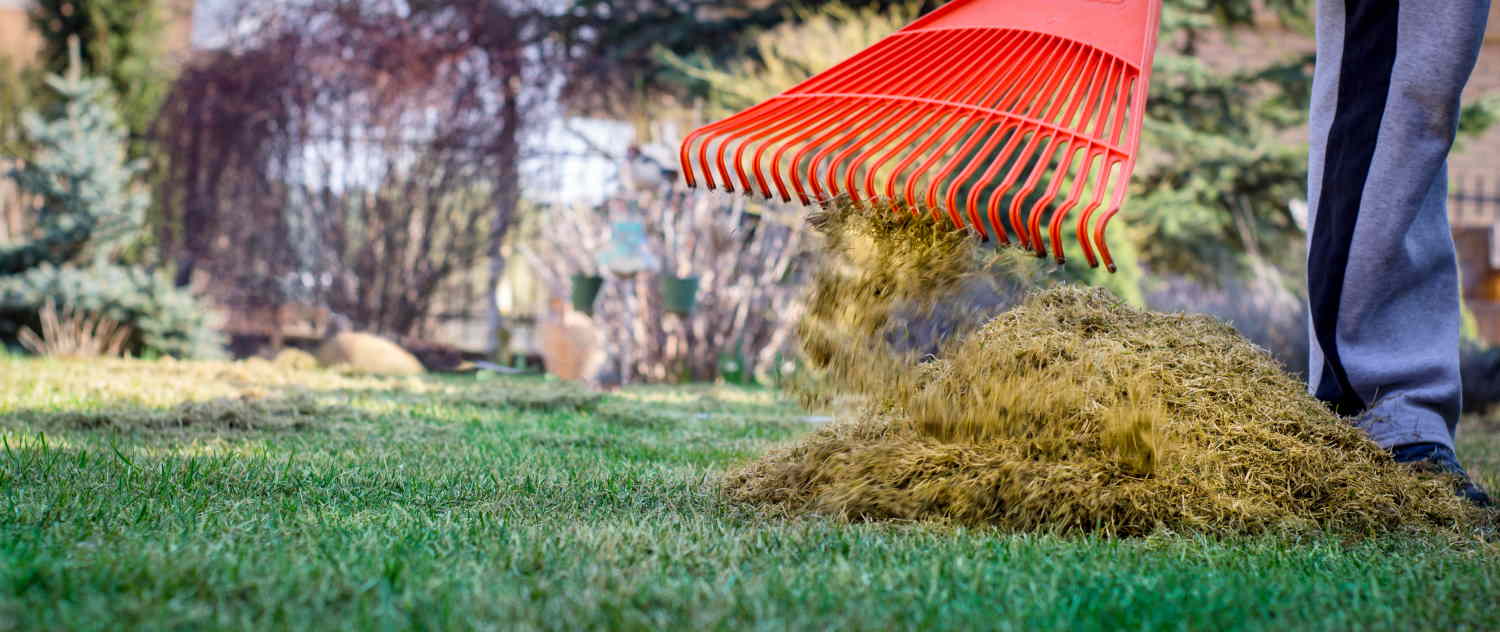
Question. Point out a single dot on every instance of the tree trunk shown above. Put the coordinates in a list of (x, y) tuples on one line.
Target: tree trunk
[(508, 199)]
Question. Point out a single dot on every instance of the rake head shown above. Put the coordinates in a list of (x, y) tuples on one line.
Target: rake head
[(987, 110)]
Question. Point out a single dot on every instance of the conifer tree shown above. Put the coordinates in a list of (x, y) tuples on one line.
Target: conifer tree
[(88, 206), (82, 177), (120, 41)]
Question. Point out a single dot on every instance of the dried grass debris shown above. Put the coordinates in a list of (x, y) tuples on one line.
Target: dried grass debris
[(1071, 412), (243, 414), (528, 395), (70, 333)]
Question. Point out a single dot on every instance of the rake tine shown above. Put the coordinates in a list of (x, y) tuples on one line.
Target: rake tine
[(1061, 213), (850, 71), (747, 134), (1107, 175), (863, 123), (899, 111), (812, 145), (881, 120), (1032, 134), (821, 147), (804, 112), (1098, 199), (914, 112), (918, 107), (1077, 91), (776, 159), (1140, 84), (820, 112), (1045, 87), (1095, 149), (1092, 148), (1038, 52), (859, 124), (1069, 152), (878, 67), (971, 89), (1114, 207), (891, 112), (971, 203), (885, 131), (999, 132), (785, 140), (706, 133), (927, 110)]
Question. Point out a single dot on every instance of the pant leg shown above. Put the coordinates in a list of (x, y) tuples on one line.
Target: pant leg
[(1382, 273)]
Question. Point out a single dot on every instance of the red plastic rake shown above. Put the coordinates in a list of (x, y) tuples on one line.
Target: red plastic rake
[(999, 102)]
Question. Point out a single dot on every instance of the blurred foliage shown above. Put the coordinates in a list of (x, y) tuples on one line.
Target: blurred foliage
[(611, 47), (15, 97), (1222, 161), (120, 41), (379, 185), (1218, 177), (165, 320), (88, 205), (807, 42)]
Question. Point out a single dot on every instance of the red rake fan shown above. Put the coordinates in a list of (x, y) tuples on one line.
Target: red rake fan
[(969, 101)]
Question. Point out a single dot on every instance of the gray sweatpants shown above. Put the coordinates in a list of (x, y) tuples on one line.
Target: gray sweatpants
[(1382, 273)]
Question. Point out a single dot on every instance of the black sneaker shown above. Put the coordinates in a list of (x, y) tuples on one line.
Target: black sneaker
[(1440, 459)]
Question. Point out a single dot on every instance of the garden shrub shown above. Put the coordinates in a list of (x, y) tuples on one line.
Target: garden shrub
[(165, 320)]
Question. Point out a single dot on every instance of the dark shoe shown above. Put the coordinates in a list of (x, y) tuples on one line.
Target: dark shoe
[(1437, 458)]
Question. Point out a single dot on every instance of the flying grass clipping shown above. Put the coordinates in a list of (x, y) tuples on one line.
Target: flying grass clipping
[(1068, 412)]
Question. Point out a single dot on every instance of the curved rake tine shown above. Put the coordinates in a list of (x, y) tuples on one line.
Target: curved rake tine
[(804, 110), (1092, 150), (1038, 52), (796, 181), (952, 113), (1069, 153), (1017, 130), (890, 112), (1111, 158), (1078, 91), (927, 110)]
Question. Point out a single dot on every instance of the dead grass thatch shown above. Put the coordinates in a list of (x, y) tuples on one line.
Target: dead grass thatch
[(1071, 412), (74, 334), (243, 414)]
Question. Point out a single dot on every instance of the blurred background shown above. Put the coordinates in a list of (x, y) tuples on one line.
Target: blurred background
[(493, 184)]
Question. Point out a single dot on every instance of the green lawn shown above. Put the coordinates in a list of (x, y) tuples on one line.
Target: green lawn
[(314, 501)]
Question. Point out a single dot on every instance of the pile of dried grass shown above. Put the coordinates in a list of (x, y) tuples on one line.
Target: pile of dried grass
[(1071, 412)]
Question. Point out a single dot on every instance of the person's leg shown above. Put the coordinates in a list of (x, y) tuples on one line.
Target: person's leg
[(1382, 272)]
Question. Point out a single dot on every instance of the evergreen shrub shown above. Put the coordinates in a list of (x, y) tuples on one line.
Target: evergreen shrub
[(165, 320)]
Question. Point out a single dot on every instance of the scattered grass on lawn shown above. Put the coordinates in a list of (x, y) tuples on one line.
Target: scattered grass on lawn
[(457, 504)]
